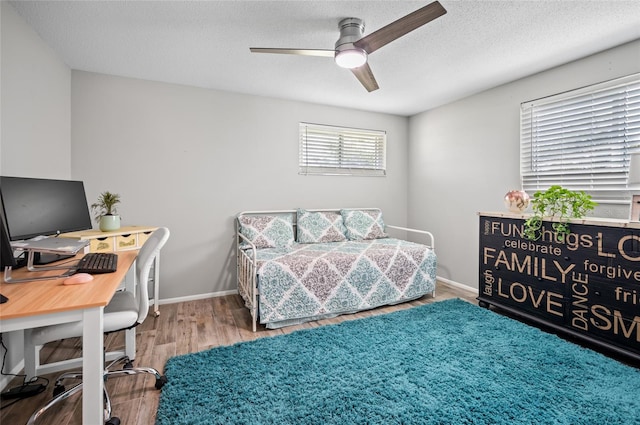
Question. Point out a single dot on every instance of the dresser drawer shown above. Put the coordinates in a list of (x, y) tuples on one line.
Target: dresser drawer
[(126, 242), (142, 238), (618, 327), (106, 244)]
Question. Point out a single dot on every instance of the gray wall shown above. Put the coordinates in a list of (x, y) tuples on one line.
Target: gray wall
[(35, 125), (464, 156), (35, 101), (190, 159)]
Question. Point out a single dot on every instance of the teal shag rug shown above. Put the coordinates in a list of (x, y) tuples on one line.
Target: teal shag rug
[(449, 362)]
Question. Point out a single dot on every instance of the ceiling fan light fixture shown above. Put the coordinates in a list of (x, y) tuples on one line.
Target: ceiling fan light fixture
[(351, 58)]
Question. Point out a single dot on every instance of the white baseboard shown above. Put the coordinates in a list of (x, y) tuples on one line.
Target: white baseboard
[(197, 297), (458, 285)]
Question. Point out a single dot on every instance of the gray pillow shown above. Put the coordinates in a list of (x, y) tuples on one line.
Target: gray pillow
[(268, 231), (322, 226), (363, 224)]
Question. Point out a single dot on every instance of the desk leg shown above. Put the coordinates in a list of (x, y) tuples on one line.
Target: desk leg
[(31, 356), (131, 281), (156, 285), (92, 367)]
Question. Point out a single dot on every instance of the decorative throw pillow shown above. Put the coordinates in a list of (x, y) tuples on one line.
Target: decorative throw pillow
[(321, 226), (268, 231), (363, 224)]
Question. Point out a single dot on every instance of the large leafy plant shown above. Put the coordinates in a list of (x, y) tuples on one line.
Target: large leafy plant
[(559, 204)]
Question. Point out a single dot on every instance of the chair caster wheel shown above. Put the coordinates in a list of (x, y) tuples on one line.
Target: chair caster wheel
[(57, 390), (113, 421), (161, 381)]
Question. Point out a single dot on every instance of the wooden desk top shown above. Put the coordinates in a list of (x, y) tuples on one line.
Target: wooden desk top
[(51, 296)]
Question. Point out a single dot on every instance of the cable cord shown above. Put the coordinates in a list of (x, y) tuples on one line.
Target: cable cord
[(25, 383)]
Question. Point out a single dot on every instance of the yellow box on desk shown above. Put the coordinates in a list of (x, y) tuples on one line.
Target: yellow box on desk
[(124, 239), (105, 244), (128, 241), (142, 237)]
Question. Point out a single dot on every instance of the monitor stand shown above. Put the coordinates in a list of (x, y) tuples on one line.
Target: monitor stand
[(41, 258), (20, 260)]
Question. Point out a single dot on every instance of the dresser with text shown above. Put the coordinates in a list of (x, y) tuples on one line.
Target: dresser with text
[(587, 285)]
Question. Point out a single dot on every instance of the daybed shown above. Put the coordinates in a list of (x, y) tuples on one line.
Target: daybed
[(340, 261)]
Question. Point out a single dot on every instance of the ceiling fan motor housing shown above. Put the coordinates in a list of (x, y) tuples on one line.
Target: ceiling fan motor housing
[(351, 30)]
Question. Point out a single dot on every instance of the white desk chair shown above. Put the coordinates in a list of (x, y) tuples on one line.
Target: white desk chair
[(125, 311)]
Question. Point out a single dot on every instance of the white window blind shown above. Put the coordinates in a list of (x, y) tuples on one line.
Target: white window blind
[(582, 139), (345, 151)]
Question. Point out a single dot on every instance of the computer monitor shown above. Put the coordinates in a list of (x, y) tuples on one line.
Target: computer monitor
[(7, 258), (34, 207)]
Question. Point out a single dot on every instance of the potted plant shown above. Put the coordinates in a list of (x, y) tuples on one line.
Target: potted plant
[(559, 204), (106, 212)]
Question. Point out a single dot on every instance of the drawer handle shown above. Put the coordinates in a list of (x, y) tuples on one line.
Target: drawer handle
[(126, 236)]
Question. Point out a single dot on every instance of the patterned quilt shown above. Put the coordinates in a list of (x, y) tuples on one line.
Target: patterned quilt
[(310, 281)]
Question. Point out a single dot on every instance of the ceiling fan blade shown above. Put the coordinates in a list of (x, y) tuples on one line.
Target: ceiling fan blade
[(402, 26), (303, 52), (366, 78)]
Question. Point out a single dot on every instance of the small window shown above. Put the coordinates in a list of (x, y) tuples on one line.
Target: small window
[(582, 139), (331, 150)]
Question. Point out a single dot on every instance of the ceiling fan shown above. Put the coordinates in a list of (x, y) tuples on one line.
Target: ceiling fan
[(352, 48)]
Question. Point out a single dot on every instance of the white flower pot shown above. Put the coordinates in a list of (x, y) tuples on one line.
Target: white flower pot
[(109, 223)]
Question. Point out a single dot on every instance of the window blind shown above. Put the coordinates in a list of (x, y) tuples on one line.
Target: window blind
[(343, 151), (582, 139)]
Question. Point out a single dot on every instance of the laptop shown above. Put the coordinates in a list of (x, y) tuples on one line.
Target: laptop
[(52, 245)]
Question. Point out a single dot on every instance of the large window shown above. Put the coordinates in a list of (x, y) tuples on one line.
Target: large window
[(582, 139), (337, 150)]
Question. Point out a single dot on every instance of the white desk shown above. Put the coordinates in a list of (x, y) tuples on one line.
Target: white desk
[(47, 302), (124, 239)]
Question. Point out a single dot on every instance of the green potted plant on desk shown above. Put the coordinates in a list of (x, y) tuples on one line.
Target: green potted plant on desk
[(106, 213)]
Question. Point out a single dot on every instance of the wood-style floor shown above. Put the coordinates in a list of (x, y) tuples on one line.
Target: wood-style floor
[(180, 329)]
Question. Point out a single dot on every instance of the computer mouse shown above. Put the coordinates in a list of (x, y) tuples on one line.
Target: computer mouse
[(78, 278)]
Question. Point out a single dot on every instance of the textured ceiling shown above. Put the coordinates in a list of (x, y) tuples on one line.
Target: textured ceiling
[(475, 46)]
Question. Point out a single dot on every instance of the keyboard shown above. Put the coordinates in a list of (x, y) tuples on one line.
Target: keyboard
[(98, 262)]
